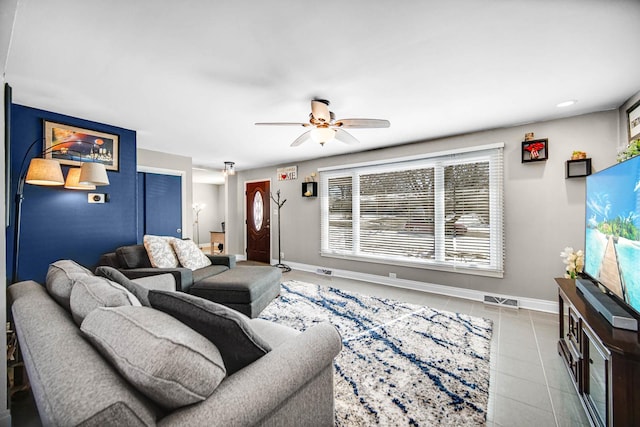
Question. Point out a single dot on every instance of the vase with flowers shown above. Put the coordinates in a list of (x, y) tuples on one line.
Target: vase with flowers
[(574, 262)]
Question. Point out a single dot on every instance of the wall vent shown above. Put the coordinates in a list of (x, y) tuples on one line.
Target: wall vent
[(324, 272), (502, 302)]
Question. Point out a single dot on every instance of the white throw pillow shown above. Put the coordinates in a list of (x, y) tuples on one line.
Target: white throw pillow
[(189, 254), (160, 251)]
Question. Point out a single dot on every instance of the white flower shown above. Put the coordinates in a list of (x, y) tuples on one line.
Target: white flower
[(574, 262)]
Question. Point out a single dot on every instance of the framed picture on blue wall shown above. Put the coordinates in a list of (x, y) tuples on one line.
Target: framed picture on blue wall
[(72, 145)]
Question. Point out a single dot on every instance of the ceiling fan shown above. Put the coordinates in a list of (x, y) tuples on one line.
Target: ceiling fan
[(326, 127)]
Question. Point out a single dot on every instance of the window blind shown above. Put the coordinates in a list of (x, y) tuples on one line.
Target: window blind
[(443, 212)]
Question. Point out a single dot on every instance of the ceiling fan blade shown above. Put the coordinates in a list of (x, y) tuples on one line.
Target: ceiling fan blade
[(283, 124), (320, 110), (363, 123), (346, 137), (302, 138)]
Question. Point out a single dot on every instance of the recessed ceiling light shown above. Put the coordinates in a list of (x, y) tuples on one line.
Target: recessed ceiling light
[(566, 103)]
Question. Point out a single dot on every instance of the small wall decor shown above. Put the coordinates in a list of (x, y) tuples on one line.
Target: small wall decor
[(576, 168), (633, 121), (309, 189), (534, 150), (287, 173), (578, 155), (98, 147)]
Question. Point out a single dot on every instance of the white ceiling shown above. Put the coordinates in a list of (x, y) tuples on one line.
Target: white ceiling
[(192, 77)]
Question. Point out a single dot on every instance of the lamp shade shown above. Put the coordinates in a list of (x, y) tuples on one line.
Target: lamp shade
[(44, 172), (73, 181), (93, 174)]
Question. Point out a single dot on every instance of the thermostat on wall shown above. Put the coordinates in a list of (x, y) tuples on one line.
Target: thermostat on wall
[(97, 198)]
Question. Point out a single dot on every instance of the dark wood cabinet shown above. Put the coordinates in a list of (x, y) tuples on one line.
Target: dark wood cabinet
[(603, 361)]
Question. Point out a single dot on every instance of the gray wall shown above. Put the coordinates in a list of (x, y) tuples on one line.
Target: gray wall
[(544, 212), (213, 213)]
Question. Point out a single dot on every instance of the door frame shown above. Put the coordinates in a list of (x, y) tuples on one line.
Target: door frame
[(244, 229), (183, 184)]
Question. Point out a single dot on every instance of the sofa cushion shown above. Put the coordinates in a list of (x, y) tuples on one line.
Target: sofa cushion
[(91, 292), (189, 255), (211, 270), (132, 256), (160, 251), (161, 357), (229, 330), (141, 292), (60, 278)]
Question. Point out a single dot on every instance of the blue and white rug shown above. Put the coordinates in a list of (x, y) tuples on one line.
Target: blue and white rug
[(401, 364)]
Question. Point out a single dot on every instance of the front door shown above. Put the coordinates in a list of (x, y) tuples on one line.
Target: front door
[(258, 221)]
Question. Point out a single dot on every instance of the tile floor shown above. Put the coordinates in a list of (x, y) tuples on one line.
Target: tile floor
[(529, 385)]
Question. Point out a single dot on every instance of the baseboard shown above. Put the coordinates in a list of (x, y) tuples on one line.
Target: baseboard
[(470, 294), (5, 418)]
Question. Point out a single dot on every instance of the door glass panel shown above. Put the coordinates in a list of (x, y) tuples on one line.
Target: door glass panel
[(597, 391), (258, 211)]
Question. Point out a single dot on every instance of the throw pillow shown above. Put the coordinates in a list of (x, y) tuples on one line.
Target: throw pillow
[(189, 255), (228, 329), (59, 281), (139, 287), (91, 292), (161, 357), (138, 290), (160, 252)]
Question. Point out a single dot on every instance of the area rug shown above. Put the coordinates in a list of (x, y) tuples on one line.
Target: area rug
[(401, 364)]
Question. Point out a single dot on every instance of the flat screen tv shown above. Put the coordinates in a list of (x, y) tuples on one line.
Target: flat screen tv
[(612, 232)]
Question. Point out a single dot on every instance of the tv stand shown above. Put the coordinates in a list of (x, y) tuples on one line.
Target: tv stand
[(603, 361)]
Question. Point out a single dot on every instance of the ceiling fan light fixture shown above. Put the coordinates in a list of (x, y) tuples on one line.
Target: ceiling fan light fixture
[(322, 134)]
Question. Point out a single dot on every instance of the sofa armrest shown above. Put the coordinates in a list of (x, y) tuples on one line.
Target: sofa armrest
[(290, 385), (182, 276), (228, 260), (109, 259), (159, 282)]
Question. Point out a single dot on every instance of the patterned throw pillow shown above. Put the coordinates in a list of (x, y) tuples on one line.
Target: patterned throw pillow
[(160, 251), (189, 255)]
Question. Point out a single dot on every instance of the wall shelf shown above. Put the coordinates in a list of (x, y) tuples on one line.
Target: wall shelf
[(309, 189), (577, 168)]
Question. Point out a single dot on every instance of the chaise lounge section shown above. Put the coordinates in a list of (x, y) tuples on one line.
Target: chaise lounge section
[(247, 289)]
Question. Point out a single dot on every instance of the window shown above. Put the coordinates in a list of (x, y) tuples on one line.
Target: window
[(442, 212)]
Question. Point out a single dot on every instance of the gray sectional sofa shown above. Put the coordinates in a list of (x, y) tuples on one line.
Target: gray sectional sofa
[(96, 358), (247, 289)]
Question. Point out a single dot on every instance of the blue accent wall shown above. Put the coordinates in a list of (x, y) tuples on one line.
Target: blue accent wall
[(59, 223)]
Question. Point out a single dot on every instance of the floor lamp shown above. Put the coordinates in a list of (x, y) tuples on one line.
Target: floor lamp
[(197, 207), (47, 172), (284, 267)]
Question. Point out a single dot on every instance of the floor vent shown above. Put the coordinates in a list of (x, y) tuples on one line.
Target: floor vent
[(324, 272), (502, 302)]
